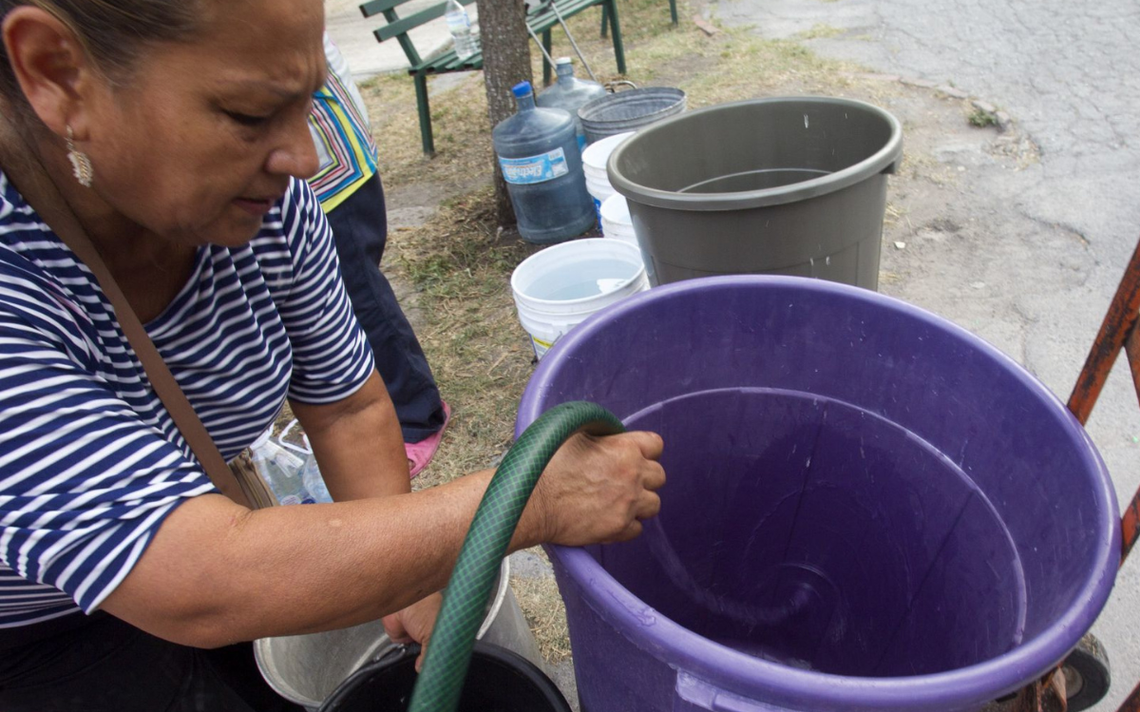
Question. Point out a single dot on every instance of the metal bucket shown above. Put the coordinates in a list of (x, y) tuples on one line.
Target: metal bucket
[(629, 110), (306, 669)]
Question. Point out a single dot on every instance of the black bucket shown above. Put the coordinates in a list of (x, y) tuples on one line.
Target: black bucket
[(498, 680)]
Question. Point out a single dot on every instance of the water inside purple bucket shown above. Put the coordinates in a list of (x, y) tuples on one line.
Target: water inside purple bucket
[(867, 508)]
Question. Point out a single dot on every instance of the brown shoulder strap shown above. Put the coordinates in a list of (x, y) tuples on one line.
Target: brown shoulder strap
[(38, 190)]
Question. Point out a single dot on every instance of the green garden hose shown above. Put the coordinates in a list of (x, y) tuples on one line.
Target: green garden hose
[(465, 601)]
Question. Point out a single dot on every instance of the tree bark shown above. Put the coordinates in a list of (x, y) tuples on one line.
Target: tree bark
[(506, 62)]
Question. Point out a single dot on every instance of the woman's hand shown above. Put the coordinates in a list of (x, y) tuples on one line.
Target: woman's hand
[(414, 624), (594, 490), (597, 490)]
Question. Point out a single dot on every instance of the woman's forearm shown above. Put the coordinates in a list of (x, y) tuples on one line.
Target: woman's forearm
[(217, 573), (357, 443)]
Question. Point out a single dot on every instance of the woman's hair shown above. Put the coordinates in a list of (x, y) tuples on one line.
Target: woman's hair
[(112, 31)]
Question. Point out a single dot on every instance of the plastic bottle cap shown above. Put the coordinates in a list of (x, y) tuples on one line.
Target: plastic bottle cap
[(563, 60), (522, 89)]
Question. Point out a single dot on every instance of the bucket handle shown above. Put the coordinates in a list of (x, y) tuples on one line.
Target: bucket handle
[(612, 87), (694, 694)]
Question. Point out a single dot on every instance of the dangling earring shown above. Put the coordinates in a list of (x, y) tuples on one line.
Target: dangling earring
[(80, 163)]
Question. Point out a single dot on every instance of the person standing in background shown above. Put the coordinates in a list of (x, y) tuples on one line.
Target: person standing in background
[(352, 196)]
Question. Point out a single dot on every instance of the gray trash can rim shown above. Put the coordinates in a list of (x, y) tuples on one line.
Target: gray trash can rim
[(884, 160)]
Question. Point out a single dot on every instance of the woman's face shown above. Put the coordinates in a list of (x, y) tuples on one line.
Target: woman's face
[(201, 140)]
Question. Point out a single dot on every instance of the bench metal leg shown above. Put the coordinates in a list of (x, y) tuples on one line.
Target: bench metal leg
[(619, 51), (425, 114), (547, 44), (673, 11)]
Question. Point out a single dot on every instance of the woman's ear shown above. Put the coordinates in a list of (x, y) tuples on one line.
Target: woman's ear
[(52, 68)]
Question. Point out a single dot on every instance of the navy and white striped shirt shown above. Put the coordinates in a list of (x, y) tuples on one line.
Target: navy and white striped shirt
[(90, 461)]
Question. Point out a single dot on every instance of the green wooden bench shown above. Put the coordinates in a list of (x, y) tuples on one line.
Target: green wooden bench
[(541, 18)]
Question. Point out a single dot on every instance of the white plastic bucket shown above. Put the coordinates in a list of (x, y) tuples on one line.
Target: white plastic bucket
[(557, 288), (594, 160), (597, 154), (600, 191), (616, 222)]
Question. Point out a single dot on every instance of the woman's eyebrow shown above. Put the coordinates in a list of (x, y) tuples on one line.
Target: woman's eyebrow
[(251, 86)]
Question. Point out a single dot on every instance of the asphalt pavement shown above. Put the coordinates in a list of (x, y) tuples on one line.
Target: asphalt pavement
[(1044, 245)]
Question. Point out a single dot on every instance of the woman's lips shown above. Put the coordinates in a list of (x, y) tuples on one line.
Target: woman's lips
[(256, 206)]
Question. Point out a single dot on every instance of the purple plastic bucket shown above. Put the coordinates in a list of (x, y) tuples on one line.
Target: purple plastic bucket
[(868, 508)]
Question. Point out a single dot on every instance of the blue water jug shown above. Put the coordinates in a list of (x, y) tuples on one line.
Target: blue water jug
[(538, 152), (570, 93)]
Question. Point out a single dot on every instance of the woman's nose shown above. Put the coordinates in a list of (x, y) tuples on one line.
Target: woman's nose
[(296, 155)]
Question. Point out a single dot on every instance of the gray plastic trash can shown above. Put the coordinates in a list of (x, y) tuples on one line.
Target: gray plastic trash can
[(791, 186)]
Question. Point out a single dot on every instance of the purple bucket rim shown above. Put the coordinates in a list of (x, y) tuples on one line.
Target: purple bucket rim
[(735, 671)]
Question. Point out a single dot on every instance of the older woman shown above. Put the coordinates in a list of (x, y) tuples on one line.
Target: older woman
[(175, 133)]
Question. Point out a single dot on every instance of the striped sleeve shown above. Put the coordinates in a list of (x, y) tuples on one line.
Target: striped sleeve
[(331, 357), (84, 482)]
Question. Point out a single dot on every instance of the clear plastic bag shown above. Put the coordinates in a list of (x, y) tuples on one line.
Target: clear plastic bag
[(281, 468), (310, 473)]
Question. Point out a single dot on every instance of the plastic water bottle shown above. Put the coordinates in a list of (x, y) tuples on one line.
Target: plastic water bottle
[(459, 25), (538, 152), (314, 483), (570, 93), (280, 469)]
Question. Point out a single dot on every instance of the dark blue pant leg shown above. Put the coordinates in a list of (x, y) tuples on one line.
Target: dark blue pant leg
[(101, 664), (360, 230)]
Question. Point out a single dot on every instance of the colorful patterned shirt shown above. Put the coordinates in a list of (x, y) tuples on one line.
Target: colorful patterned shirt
[(341, 133)]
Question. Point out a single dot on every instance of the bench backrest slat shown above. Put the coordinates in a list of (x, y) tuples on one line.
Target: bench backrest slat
[(402, 25), (543, 15), (376, 7), (540, 17), (473, 62), (405, 41), (371, 9)]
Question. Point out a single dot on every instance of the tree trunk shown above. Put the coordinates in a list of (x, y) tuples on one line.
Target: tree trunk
[(506, 62)]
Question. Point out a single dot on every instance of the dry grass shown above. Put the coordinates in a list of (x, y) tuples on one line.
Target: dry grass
[(459, 117), (480, 355), (460, 263), (539, 600)]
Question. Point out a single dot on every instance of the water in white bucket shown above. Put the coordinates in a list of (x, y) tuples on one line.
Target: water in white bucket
[(590, 278), (558, 288)]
